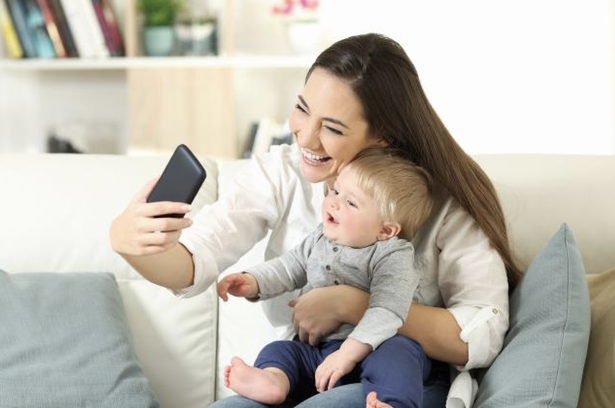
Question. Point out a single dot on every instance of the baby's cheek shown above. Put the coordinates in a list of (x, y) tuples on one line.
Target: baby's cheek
[(355, 228)]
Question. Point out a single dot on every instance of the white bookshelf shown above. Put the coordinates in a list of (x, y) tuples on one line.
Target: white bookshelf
[(240, 87), (78, 64)]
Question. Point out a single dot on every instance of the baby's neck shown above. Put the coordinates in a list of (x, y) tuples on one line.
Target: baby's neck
[(353, 246)]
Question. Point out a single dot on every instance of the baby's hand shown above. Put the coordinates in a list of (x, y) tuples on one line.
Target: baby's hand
[(329, 372), (238, 284)]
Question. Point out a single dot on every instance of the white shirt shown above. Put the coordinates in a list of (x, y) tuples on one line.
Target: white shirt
[(460, 268)]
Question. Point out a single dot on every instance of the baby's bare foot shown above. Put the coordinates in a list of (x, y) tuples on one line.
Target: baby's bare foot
[(227, 372), (371, 401), (269, 385)]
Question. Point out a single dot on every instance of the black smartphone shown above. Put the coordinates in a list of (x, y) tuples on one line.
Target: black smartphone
[(180, 181)]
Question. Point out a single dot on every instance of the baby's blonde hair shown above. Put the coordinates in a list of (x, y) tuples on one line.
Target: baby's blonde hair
[(401, 189)]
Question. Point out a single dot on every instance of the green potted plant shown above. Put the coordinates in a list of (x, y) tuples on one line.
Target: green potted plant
[(158, 18)]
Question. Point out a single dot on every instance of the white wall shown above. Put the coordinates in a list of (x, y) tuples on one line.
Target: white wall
[(505, 76), (19, 111), (89, 108)]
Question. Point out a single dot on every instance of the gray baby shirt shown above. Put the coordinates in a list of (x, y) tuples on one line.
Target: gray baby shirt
[(384, 269)]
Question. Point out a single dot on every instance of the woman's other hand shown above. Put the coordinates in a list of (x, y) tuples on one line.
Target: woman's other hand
[(320, 311), (135, 232)]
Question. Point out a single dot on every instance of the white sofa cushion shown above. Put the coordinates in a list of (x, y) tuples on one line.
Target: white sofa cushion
[(540, 192), (55, 216), (63, 205), (175, 341)]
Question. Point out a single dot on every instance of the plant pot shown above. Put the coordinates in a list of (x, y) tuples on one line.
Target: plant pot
[(158, 41)]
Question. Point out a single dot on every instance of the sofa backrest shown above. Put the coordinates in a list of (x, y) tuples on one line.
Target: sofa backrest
[(539, 192), (55, 213)]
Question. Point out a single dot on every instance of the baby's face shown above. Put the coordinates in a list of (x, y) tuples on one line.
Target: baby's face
[(351, 217)]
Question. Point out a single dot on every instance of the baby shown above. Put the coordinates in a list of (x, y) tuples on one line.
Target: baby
[(376, 200)]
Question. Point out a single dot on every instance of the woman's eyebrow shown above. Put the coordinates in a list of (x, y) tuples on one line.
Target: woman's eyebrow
[(303, 102), (332, 120), (337, 122)]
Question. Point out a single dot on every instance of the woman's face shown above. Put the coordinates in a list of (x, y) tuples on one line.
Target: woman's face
[(328, 126)]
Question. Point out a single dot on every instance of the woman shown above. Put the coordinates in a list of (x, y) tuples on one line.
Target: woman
[(361, 92)]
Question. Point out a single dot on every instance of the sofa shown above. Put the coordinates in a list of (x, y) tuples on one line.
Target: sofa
[(55, 215)]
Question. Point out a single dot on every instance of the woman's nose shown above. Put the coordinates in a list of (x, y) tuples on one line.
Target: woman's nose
[(308, 136)]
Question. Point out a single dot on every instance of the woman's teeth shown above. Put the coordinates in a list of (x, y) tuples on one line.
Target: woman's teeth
[(314, 158)]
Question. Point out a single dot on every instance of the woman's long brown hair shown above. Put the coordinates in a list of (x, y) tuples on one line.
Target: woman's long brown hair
[(398, 111)]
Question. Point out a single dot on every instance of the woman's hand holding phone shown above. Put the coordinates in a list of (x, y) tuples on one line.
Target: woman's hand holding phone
[(137, 231), (154, 219)]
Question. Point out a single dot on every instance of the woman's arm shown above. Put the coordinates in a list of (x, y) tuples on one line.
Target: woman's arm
[(188, 260), (437, 331), (320, 311), (155, 268)]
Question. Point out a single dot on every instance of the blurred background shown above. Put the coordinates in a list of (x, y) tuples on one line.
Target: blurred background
[(141, 76)]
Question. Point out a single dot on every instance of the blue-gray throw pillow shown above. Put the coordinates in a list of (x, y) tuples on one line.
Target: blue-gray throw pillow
[(541, 364), (65, 342)]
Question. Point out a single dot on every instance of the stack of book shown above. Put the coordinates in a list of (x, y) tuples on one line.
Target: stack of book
[(60, 29), (265, 133)]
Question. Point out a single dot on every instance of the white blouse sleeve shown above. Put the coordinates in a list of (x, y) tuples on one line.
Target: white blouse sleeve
[(473, 284), (247, 208)]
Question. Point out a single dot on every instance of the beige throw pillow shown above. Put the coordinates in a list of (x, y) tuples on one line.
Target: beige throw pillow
[(599, 374)]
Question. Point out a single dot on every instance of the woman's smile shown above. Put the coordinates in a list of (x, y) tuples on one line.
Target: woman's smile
[(313, 159)]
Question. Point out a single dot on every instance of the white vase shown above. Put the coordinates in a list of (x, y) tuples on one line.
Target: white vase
[(304, 37)]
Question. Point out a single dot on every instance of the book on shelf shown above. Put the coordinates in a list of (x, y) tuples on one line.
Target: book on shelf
[(11, 40), (247, 151), (63, 29), (265, 133), (17, 12), (108, 23), (85, 28), (60, 28), (52, 28), (36, 29)]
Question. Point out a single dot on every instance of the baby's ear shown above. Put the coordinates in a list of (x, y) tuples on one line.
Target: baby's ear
[(389, 230)]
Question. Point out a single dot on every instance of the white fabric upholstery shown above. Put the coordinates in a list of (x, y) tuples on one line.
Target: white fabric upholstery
[(539, 192), (55, 212), (175, 341)]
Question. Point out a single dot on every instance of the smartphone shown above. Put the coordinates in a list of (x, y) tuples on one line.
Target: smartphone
[(180, 181)]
